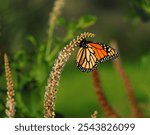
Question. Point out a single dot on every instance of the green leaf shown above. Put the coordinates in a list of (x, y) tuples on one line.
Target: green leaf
[(52, 54), (146, 6), (61, 21), (86, 21), (40, 53), (39, 72), (32, 39)]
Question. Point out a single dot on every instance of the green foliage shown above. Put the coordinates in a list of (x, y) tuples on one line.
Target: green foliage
[(31, 66), (73, 26), (140, 9), (22, 26)]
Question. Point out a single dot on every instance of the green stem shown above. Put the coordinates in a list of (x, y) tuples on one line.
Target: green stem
[(49, 40)]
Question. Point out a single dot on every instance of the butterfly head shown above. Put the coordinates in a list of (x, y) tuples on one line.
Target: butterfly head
[(83, 43)]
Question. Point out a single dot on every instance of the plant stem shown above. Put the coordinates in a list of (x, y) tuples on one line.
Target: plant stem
[(53, 81), (129, 88), (107, 109), (54, 14)]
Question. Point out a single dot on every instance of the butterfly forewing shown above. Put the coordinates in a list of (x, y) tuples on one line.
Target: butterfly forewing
[(86, 60), (104, 52)]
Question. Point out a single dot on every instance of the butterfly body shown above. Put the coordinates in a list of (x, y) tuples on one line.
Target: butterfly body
[(91, 53)]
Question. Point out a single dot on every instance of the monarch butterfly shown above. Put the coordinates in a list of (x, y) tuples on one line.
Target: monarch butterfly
[(91, 53)]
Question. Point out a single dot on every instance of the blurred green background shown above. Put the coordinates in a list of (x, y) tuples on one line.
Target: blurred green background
[(23, 35)]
